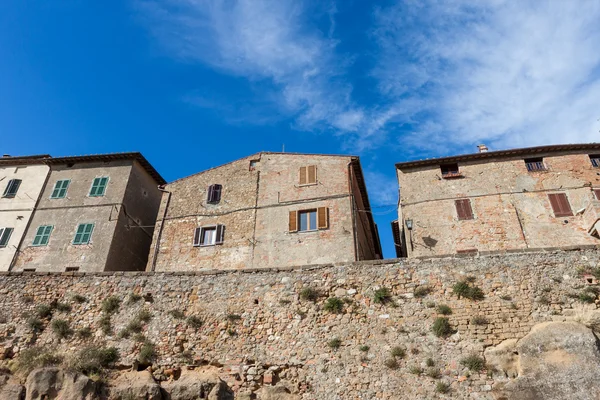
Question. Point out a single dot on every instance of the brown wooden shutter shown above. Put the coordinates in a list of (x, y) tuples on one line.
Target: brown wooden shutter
[(220, 234), (463, 209), (597, 193), (197, 236), (312, 174), (293, 223), (560, 205), (323, 218), (303, 175)]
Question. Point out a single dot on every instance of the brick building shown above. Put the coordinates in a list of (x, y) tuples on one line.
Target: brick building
[(538, 197), (95, 213), (21, 182), (266, 210)]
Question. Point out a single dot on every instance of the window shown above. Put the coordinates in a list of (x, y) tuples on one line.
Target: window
[(463, 209), (535, 164), (450, 171), (71, 269), (595, 159), (43, 235), (308, 175), (597, 193), (309, 220), (209, 235), (84, 234), (214, 194), (60, 189), (11, 188), (99, 186), (5, 236), (560, 205), (253, 164)]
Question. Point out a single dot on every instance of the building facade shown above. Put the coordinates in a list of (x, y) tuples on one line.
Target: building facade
[(21, 182), (266, 210), (95, 213), (532, 198)]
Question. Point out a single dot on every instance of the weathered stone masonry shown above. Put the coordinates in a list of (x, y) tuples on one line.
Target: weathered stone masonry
[(279, 336)]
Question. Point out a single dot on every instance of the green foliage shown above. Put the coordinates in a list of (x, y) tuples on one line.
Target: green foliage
[(77, 298), (93, 359), (133, 298), (506, 297), (464, 289), (442, 387), (334, 305), (61, 328), (309, 294), (144, 316), (434, 373), (473, 363), (105, 324), (63, 307), (36, 357), (43, 311), (398, 352), (441, 327), (364, 348), (84, 333), (382, 296), (444, 309), (479, 320), (177, 314), (111, 304), (147, 353), (415, 369), (334, 343), (231, 332), (391, 363), (547, 289), (586, 297), (429, 362), (285, 302), (233, 317), (544, 300), (35, 324), (421, 291), (194, 321)]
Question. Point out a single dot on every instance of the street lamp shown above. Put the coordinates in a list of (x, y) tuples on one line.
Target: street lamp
[(409, 224)]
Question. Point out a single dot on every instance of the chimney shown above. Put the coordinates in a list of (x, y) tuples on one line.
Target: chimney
[(482, 148), (5, 155)]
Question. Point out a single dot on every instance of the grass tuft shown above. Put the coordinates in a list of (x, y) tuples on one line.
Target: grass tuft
[(441, 327), (334, 305)]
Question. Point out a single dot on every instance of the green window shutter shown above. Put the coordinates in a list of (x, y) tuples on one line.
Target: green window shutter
[(5, 236), (99, 186), (60, 189), (42, 236), (84, 234)]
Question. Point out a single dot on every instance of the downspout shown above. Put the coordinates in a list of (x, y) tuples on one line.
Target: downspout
[(162, 224), (35, 207), (353, 205)]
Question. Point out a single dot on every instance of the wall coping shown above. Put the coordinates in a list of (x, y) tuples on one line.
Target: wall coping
[(311, 267)]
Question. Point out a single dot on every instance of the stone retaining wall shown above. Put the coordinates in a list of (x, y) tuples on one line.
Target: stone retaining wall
[(258, 330)]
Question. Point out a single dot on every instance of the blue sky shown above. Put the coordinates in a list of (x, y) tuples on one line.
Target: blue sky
[(196, 83)]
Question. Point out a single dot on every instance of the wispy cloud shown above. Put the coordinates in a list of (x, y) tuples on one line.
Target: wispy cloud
[(502, 72)]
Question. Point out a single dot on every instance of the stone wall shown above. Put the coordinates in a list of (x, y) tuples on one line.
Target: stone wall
[(510, 205), (258, 330)]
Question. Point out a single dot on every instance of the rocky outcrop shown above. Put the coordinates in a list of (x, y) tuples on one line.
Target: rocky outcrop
[(555, 361), (55, 383), (137, 385), (193, 384), (276, 393)]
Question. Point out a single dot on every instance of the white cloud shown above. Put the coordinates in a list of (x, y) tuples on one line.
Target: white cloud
[(509, 74), (383, 192)]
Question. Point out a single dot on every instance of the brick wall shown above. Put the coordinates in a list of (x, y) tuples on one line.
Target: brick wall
[(280, 336)]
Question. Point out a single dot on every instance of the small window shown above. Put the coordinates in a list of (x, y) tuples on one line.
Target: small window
[(84, 234), (463, 209), (28, 269), (71, 269), (5, 236), (43, 235), (60, 189), (535, 164), (214, 194), (209, 235), (11, 188), (99, 186), (597, 193), (309, 220), (560, 205), (308, 175), (450, 171), (595, 159), (253, 164)]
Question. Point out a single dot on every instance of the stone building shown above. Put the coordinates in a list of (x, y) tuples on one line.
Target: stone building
[(266, 210), (531, 198), (95, 213), (21, 182)]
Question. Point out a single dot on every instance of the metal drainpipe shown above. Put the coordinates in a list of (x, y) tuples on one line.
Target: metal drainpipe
[(162, 224)]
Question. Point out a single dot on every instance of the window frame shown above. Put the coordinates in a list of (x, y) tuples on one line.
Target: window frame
[(558, 211), (458, 204), (75, 242), (12, 183), (322, 219), (56, 190), (308, 212), (90, 194), (5, 237), (535, 164), (595, 160), (42, 236), (214, 193), (448, 171), (304, 174), (199, 234)]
